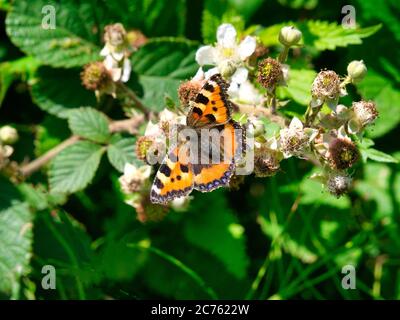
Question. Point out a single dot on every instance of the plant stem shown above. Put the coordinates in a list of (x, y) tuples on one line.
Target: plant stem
[(283, 55), (311, 114), (127, 125), (132, 95)]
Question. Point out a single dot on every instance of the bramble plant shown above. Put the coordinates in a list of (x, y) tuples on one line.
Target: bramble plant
[(119, 78)]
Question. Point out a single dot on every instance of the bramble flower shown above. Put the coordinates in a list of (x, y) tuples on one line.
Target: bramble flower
[(188, 91), (295, 139), (116, 52), (8, 135), (270, 73), (227, 55), (96, 77), (338, 183), (364, 114), (134, 178), (343, 153), (326, 88)]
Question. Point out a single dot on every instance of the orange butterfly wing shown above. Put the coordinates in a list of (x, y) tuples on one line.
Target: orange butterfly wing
[(209, 177), (211, 106), (174, 179)]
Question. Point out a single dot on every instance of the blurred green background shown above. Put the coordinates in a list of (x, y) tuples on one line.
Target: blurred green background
[(282, 237)]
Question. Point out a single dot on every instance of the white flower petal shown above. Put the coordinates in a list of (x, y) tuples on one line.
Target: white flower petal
[(247, 47), (105, 51), (233, 90), (199, 76), (144, 172), (126, 72), (118, 55), (129, 170), (240, 75), (205, 55), (152, 129), (109, 63), (296, 124), (211, 72), (116, 74), (226, 35)]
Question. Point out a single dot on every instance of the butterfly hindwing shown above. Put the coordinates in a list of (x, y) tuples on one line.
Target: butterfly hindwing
[(208, 177), (174, 179), (211, 106)]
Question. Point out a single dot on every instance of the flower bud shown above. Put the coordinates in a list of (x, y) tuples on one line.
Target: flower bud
[(270, 73), (95, 76), (339, 184), (266, 164), (8, 135), (365, 112), (343, 153), (289, 36), (136, 38), (356, 70)]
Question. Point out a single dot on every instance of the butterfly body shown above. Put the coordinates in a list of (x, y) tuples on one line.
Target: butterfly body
[(204, 153)]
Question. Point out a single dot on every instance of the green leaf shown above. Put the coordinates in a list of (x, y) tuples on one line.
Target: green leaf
[(74, 167), (325, 35), (275, 231), (298, 86), (23, 68), (62, 241), (15, 239), (89, 123), (152, 17), (57, 96), (74, 41), (385, 11), (216, 230), (379, 156), (386, 96), (161, 66), (375, 187), (120, 151)]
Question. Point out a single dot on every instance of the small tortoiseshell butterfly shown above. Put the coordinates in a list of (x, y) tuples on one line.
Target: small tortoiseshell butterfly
[(177, 175)]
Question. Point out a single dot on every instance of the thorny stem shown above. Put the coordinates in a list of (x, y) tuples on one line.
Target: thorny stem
[(127, 125), (311, 114), (125, 91)]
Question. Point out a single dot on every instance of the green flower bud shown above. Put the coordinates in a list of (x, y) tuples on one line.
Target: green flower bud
[(289, 36), (356, 70), (8, 135)]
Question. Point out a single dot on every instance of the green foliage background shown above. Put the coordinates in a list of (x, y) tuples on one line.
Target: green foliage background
[(280, 237)]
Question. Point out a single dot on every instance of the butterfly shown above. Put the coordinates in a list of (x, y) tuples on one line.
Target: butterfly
[(207, 161)]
